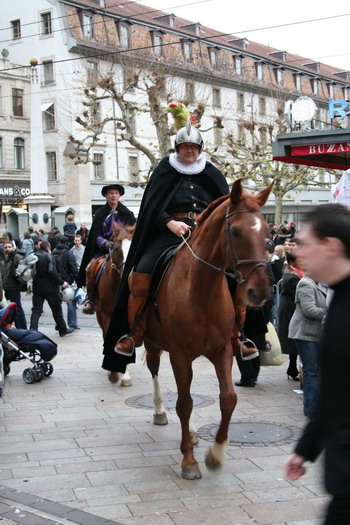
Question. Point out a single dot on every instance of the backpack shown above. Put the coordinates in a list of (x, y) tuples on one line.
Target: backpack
[(26, 269), (60, 264)]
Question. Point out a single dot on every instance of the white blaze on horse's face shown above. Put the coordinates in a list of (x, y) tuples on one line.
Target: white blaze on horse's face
[(257, 225)]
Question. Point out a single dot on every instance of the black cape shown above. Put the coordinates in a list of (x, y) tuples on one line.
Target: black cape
[(125, 215), (160, 190)]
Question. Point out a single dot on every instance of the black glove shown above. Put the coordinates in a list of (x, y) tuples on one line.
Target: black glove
[(107, 245)]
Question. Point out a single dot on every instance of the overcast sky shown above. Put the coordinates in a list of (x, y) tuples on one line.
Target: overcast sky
[(326, 41)]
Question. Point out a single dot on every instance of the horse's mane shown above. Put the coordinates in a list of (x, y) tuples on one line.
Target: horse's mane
[(208, 211), (249, 199)]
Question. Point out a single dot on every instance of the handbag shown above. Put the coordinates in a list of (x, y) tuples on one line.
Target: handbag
[(271, 355)]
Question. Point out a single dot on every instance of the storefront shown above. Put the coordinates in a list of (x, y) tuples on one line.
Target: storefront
[(12, 195)]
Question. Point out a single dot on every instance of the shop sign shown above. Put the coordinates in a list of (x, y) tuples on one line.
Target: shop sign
[(321, 149), (14, 192), (338, 109)]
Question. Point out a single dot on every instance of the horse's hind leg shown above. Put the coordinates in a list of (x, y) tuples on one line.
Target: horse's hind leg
[(228, 399), (183, 375), (153, 362)]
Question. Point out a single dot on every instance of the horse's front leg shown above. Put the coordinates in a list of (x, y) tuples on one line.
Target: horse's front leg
[(183, 375), (153, 362), (228, 400)]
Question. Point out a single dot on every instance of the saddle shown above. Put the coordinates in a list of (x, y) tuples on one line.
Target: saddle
[(160, 270)]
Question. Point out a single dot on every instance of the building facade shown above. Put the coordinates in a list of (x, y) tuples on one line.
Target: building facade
[(151, 57)]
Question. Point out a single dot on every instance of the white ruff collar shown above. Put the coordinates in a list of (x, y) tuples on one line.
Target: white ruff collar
[(187, 169)]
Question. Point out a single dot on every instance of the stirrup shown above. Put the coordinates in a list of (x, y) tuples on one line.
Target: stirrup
[(121, 352), (253, 355)]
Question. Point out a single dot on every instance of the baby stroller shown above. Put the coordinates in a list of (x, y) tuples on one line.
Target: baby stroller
[(24, 344)]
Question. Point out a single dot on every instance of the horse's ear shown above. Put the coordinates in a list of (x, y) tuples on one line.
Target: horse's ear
[(236, 192), (263, 195)]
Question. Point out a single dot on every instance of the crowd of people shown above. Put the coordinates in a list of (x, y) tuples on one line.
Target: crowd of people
[(59, 256), (303, 266)]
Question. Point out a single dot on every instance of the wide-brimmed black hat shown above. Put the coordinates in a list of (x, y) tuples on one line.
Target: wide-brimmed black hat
[(112, 187)]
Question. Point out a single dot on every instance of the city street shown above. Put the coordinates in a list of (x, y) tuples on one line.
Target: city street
[(76, 448)]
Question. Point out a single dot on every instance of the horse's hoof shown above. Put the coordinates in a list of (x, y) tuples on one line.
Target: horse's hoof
[(160, 419), (211, 462), (194, 438), (113, 377), (126, 382), (191, 472)]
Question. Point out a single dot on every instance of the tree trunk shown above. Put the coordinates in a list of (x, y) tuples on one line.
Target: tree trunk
[(278, 208)]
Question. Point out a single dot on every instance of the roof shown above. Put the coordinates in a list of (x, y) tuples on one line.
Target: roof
[(134, 12)]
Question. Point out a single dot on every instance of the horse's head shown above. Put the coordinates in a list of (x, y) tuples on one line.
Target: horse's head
[(246, 231), (121, 232)]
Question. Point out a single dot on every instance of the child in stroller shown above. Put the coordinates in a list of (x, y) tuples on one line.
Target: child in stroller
[(25, 344)]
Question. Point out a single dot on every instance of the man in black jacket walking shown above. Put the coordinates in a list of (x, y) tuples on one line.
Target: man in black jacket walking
[(46, 286), (67, 268), (11, 285), (325, 248)]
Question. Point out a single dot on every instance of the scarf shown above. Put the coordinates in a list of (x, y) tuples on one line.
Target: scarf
[(187, 169)]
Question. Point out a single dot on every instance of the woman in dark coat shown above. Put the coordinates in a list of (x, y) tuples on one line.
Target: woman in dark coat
[(290, 279)]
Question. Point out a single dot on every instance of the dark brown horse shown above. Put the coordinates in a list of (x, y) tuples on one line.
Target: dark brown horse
[(109, 269), (196, 312)]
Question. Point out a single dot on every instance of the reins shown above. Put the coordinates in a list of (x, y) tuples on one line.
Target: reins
[(237, 274)]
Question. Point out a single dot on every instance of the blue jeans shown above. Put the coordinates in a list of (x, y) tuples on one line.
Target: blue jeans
[(308, 351), (72, 314)]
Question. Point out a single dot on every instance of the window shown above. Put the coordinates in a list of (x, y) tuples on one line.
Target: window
[(19, 153), (1, 106), (240, 101), (16, 29), (213, 55), (88, 26), (259, 71), (238, 65), (262, 106), (48, 110), (190, 93), (95, 112), (91, 72), (133, 165), (46, 23), (346, 93), (297, 79), (187, 51), (331, 90), (51, 162), (157, 44), (124, 35), (263, 137), (48, 77), (1, 155), (241, 134), (216, 98), (279, 76), (98, 166), (17, 102), (217, 137), (315, 86), (129, 79)]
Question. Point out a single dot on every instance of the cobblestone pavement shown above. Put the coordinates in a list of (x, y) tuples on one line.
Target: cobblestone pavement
[(75, 448)]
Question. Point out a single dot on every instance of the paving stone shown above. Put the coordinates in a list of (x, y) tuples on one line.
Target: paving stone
[(272, 513), (161, 506)]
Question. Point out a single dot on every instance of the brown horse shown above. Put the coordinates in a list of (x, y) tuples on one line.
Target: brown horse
[(110, 268), (196, 313)]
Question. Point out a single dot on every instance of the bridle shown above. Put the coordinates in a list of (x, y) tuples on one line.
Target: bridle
[(236, 274), (115, 266)]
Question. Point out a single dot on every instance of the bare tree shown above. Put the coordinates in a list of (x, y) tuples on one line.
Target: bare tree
[(251, 160), (152, 85)]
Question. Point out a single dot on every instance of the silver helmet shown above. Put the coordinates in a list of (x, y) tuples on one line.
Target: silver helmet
[(67, 294), (189, 134)]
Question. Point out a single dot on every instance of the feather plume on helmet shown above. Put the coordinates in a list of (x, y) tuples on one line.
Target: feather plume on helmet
[(184, 122)]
